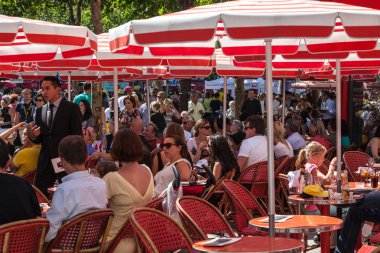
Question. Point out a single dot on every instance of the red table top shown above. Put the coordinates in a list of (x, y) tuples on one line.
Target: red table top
[(300, 224), (255, 244)]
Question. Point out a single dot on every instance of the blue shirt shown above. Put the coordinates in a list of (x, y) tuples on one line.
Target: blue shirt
[(329, 106), (78, 193)]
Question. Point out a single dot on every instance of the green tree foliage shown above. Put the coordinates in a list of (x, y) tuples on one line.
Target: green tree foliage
[(78, 12)]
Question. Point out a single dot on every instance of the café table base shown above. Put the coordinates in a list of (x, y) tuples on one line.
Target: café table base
[(254, 244)]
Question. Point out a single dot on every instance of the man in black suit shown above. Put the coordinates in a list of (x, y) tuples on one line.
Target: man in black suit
[(55, 120), (251, 106)]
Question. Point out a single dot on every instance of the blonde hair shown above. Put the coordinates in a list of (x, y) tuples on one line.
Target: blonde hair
[(200, 123), (304, 155), (318, 123), (278, 132)]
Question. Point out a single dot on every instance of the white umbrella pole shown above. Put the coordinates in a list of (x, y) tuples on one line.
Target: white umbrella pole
[(148, 98), (224, 105), (283, 101), (69, 86), (338, 126), (269, 97), (115, 98)]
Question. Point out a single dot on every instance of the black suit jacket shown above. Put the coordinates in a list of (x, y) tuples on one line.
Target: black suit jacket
[(67, 121)]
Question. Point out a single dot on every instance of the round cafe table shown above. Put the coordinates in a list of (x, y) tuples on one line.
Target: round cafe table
[(358, 187), (302, 224), (254, 244), (324, 208)]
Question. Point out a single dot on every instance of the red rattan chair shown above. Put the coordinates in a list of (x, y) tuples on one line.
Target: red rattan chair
[(201, 218), (248, 175), (40, 196), (244, 205), (290, 165), (216, 196), (86, 232), (283, 198), (30, 176), (259, 187), (26, 236), (324, 167), (368, 249), (353, 160), (158, 232), (330, 154), (127, 231)]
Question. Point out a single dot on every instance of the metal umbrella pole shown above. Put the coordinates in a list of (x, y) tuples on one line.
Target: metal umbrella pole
[(338, 126), (115, 102), (224, 105), (269, 100), (69, 86), (283, 101), (148, 98)]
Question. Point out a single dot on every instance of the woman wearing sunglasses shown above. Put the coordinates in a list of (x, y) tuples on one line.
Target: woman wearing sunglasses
[(176, 151), (195, 145)]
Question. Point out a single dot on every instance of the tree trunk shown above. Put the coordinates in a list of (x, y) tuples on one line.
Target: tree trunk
[(97, 109), (70, 9), (96, 16), (184, 94), (79, 12), (239, 96), (186, 4)]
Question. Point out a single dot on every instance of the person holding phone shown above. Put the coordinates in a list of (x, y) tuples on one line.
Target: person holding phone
[(195, 145)]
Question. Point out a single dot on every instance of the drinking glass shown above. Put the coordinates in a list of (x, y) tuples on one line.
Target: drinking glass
[(374, 180)]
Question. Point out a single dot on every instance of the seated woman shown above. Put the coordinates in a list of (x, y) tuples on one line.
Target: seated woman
[(25, 160), (221, 158), (318, 133), (202, 129), (159, 157), (281, 146), (373, 146), (176, 151), (130, 187)]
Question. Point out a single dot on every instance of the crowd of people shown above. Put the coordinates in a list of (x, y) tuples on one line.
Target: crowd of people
[(47, 133)]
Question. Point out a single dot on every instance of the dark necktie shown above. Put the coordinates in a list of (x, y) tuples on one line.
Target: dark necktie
[(50, 116)]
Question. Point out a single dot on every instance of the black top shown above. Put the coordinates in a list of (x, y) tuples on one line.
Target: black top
[(250, 107), (7, 117), (26, 111), (18, 200)]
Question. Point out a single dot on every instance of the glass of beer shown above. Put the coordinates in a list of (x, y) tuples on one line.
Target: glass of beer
[(363, 175)]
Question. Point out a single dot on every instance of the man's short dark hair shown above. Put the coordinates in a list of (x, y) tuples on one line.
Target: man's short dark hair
[(154, 127), (4, 153), (292, 125), (131, 153), (56, 83), (87, 86), (257, 123), (73, 149), (219, 122)]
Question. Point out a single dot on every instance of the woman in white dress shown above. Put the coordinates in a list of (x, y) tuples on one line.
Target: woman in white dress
[(176, 151)]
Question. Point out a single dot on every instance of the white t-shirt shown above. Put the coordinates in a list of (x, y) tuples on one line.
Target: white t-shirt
[(255, 148), (280, 149)]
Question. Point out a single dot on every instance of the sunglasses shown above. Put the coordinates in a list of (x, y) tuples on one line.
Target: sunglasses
[(39, 100), (185, 122), (206, 127), (247, 127), (166, 145)]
